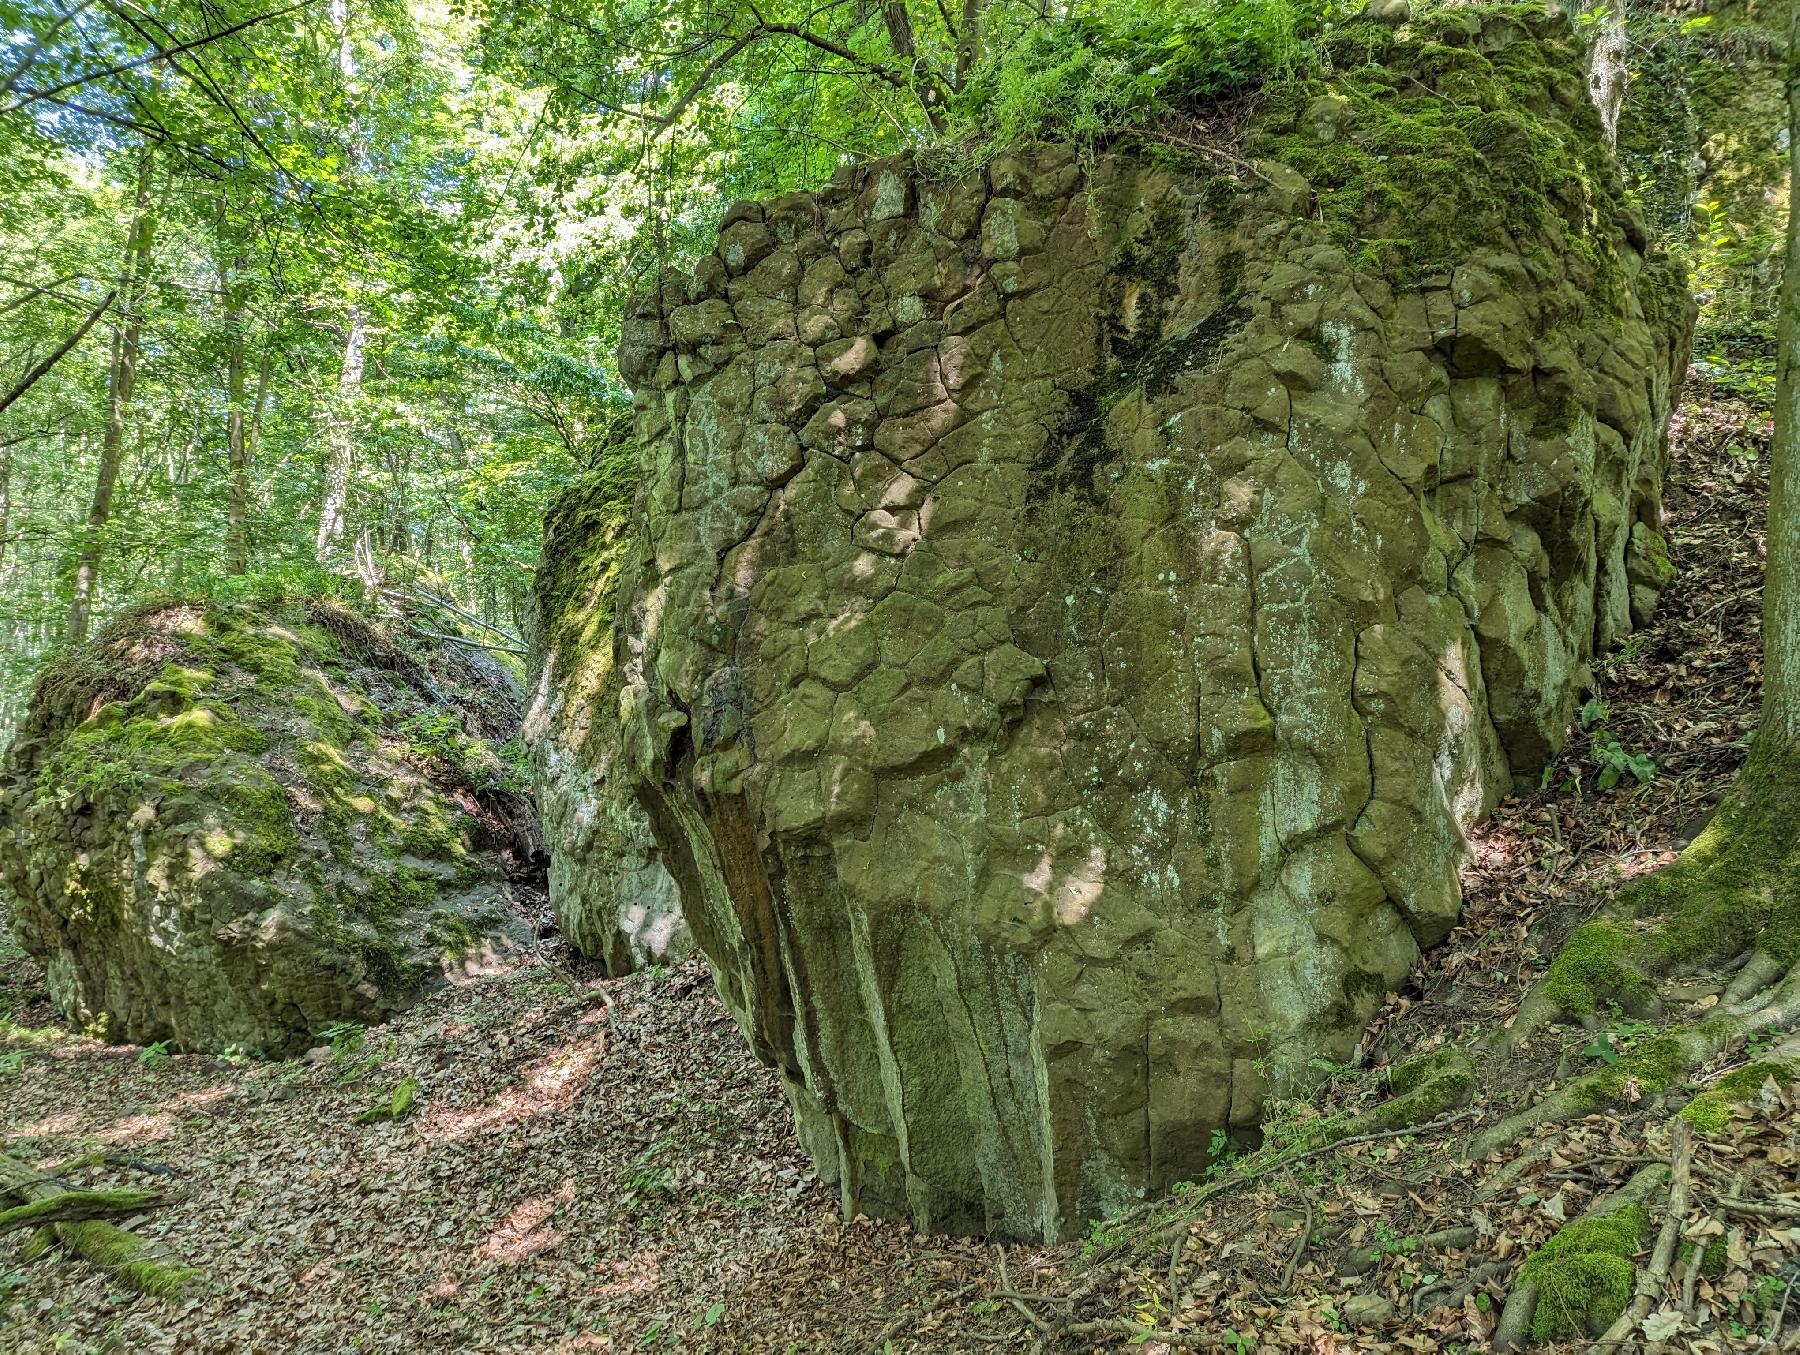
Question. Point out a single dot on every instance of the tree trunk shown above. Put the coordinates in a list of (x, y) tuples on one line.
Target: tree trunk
[(340, 446), (127, 337), (1779, 736), (1737, 885), (237, 490)]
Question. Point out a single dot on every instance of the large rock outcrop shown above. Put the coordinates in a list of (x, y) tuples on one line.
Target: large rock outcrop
[(1078, 608), (612, 897), (235, 824)]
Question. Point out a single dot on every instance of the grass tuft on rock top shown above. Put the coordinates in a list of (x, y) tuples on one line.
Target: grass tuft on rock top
[(1584, 1273)]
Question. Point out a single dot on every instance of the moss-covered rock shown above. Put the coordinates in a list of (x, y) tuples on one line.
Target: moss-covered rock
[(218, 826), (1584, 1273), (612, 897), (1077, 610)]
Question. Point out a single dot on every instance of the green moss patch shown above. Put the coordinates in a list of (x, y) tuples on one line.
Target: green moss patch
[(1584, 1274), (1435, 148), (1738, 884), (227, 761), (1710, 1111), (1593, 964)]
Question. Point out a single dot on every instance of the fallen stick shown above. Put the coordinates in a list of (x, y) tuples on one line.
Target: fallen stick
[(1761, 1209), (1656, 1274), (140, 1264)]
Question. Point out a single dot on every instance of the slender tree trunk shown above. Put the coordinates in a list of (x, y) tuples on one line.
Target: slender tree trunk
[(237, 492), (1779, 734), (127, 337), (340, 428), (400, 541), (968, 42), (340, 444)]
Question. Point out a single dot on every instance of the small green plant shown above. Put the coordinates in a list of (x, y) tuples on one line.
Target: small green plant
[(1618, 1037), (396, 1105), (984, 1308), (647, 1180), (1616, 761), (13, 1062), (155, 1055), (1101, 1237), (1390, 1243)]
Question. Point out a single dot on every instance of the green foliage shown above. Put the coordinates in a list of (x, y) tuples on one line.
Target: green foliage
[(1094, 75)]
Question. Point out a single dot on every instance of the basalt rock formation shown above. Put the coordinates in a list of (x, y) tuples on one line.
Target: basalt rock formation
[(1078, 607), (612, 897), (231, 825)]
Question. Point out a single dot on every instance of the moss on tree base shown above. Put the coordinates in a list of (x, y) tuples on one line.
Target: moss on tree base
[(1584, 1273)]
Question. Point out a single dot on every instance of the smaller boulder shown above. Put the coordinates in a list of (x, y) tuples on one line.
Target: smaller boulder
[(232, 825)]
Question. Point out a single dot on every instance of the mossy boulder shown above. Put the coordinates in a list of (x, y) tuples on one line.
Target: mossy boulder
[(612, 897), (234, 824), (1077, 610)]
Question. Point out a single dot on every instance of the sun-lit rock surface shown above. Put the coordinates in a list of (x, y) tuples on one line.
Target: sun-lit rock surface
[(1078, 608), (234, 824)]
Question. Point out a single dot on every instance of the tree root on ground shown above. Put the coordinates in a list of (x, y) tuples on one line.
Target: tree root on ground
[(1658, 1064), (1650, 1282), (1520, 1319), (75, 1220)]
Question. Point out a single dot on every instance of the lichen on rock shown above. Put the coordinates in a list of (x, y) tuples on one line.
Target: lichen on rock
[(232, 824), (1076, 611)]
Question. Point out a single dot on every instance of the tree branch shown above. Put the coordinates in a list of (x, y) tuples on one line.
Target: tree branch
[(162, 53), (36, 373)]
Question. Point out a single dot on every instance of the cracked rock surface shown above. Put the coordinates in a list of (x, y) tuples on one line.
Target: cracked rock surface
[(612, 898), (1075, 612)]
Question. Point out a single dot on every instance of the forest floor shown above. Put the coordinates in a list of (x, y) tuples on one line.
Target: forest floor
[(601, 1165)]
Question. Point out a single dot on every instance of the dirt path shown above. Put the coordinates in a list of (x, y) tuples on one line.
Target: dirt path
[(602, 1166)]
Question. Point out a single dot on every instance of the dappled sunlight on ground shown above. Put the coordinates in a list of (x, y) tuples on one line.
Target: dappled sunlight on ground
[(547, 1087), (526, 1230)]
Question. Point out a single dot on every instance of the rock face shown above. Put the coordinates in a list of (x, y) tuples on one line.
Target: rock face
[(1079, 608), (232, 825), (612, 897)]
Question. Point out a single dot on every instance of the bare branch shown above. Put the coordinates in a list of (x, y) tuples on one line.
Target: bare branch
[(36, 373)]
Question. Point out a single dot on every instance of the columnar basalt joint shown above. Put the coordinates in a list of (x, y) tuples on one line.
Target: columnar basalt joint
[(1080, 615)]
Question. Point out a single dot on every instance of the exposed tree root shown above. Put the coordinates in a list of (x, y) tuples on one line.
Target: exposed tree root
[(77, 1207), (1551, 1279), (1656, 1274), (1659, 1063), (134, 1261)]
